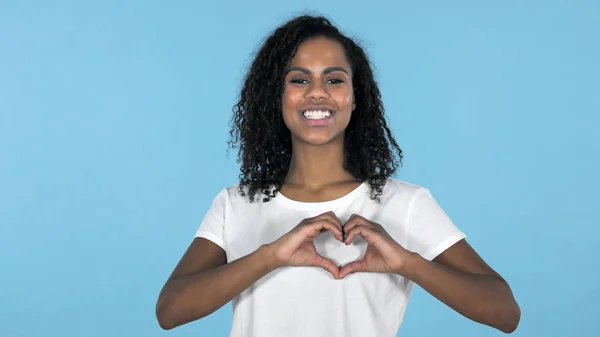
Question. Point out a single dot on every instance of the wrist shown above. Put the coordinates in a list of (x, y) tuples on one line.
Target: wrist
[(268, 257), (409, 265)]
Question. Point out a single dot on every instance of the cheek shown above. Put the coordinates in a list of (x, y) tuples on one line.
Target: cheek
[(288, 106), (289, 100), (346, 100), (286, 97)]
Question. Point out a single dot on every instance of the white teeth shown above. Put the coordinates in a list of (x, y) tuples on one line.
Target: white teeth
[(316, 114)]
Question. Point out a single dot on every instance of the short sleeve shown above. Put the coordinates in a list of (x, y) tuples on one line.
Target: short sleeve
[(211, 227), (430, 231)]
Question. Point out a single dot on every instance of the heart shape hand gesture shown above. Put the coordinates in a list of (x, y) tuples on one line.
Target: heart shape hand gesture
[(383, 254)]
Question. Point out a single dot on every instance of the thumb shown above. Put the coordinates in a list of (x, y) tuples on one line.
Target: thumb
[(352, 267), (326, 264)]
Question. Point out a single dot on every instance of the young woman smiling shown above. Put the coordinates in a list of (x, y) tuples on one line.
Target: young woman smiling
[(317, 239)]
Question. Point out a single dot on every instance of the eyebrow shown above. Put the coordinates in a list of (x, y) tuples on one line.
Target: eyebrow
[(325, 72)]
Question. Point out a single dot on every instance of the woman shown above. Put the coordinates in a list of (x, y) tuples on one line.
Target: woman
[(317, 239)]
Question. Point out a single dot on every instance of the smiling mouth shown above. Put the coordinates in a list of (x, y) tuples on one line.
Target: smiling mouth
[(317, 113)]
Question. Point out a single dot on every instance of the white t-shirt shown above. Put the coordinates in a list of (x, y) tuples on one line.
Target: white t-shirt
[(308, 301)]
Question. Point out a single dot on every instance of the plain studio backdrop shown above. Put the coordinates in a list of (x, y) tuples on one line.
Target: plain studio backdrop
[(114, 120)]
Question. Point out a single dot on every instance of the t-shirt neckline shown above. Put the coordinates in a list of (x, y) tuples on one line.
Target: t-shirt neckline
[(282, 199)]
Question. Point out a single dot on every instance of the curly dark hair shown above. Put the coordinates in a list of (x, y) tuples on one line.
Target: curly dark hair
[(264, 141)]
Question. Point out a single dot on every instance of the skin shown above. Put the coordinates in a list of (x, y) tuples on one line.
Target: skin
[(319, 75), (203, 281)]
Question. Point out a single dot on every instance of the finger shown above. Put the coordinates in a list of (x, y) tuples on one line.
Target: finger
[(355, 220), (352, 267), (366, 232), (318, 226), (332, 218), (328, 265), (335, 228)]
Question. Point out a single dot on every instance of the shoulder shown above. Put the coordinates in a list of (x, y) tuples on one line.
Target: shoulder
[(238, 194), (231, 193), (416, 199), (398, 195), (395, 188)]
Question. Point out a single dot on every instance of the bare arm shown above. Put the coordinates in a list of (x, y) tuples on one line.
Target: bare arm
[(203, 282), (461, 279)]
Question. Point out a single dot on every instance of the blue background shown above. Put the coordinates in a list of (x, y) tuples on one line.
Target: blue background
[(114, 120)]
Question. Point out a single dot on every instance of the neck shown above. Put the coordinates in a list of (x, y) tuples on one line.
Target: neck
[(315, 167)]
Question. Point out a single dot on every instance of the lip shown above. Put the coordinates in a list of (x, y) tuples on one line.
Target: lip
[(318, 122)]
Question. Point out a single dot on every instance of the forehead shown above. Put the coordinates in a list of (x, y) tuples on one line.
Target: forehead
[(320, 52)]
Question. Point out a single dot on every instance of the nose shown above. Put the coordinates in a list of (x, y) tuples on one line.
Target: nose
[(317, 90)]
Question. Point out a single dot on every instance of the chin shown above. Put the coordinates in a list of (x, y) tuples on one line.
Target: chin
[(319, 138)]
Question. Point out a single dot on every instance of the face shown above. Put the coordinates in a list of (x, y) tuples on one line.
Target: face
[(318, 98)]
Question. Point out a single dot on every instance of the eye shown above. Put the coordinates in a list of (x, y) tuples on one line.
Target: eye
[(298, 81), (335, 81)]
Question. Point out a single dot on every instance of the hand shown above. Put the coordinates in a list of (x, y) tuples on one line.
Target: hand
[(296, 248), (383, 254)]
